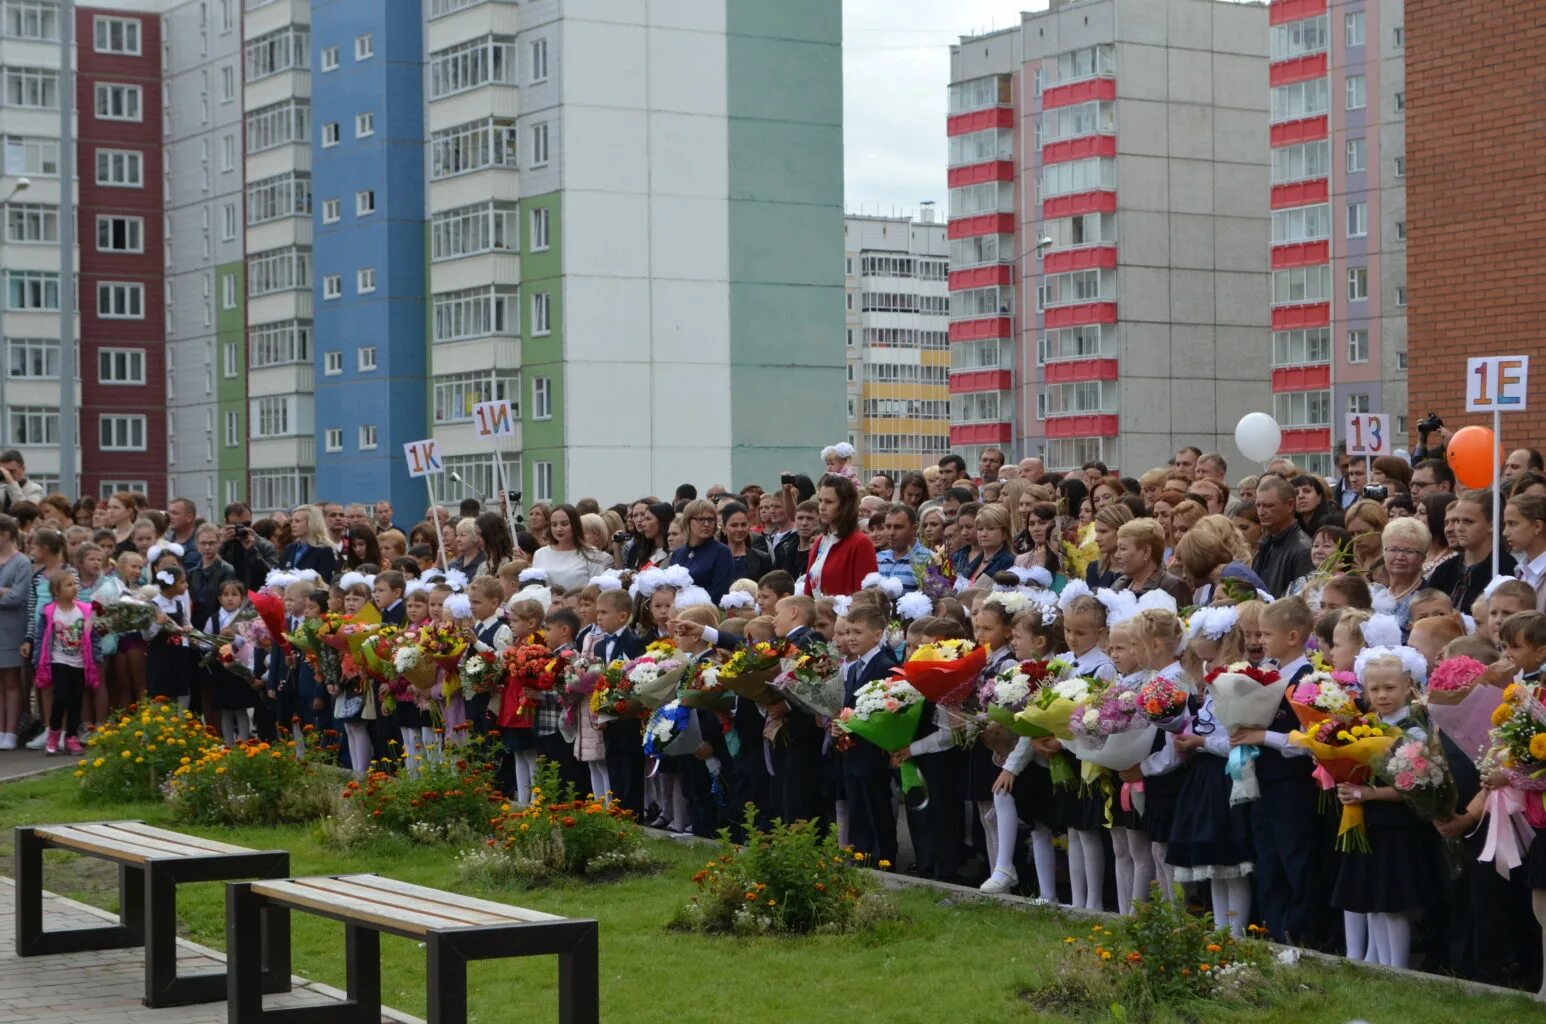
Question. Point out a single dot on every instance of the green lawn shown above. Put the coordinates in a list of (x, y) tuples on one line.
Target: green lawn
[(936, 965)]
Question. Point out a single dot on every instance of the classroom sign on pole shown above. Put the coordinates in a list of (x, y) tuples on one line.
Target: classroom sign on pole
[(494, 422), (1368, 434), (1497, 384), (424, 460)]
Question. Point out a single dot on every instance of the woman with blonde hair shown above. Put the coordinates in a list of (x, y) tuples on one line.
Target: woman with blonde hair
[(1366, 521), (993, 535), (310, 547), (1102, 572), (1183, 517), (1140, 555)]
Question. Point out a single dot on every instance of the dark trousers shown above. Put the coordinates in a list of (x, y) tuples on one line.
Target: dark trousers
[(938, 830), (702, 803), (871, 821), (1283, 831), (624, 743), (69, 686), (797, 786), (559, 751)]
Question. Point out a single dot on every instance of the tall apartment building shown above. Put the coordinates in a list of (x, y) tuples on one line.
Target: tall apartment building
[(30, 93), (1107, 183), (204, 297), (1338, 219), (897, 342)]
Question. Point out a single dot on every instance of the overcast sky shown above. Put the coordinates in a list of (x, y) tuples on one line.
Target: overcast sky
[(896, 67)]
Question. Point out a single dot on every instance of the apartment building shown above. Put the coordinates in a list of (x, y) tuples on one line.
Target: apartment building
[(1338, 128), (897, 342), (1107, 183)]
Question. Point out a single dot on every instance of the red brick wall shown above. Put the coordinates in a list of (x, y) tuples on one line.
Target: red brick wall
[(1476, 204)]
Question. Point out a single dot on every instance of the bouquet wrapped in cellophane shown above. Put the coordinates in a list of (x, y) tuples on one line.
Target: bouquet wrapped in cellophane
[(1245, 697), (653, 676), (812, 681), (1517, 810), (887, 713), (1347, 747), (751, 669), (945, 671)]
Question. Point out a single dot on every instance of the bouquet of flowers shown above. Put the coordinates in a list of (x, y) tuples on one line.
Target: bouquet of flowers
[(672, 730), (1111, 734), (380, 652), (1053, 706), (812, 681), (700, 687), (1345, 748), (1418, 771), (1518, 754), (234, 656), (750, 670), (125, 615), (580, 679), (1006, 695), (394, 691), (444, 646), (331, 632), (944, 671), (482, 671), (1462, 705), (887, 713), (652, 677), (1245, 697), (935, 575), (1163, 703), (527, 674), (1320, 695), (612, 696), (304, 638)]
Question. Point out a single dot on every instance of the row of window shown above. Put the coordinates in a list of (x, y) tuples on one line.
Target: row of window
[(1096, 117), (905, 373), (491, 310), (1312, 35), (1313, 284), (1311, 346), (483, 227), (994, 300), (1085, 397), (980, 147), (38, 359), (904, 266), (907, 408), (982, 354), (333, 438), (1085, 229), (907, 444), (38, 291), (284, 195), (456, 394), (284, 49), (1096, 172), (1074, 287), (471, 64), (980, 407), (903, 302), (974, 251), (34, 88), (980, 93), (989, 197), (1066, 454), (29, 425), (904, 337)]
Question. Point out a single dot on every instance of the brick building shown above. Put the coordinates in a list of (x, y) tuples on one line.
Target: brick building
[(1476, 203)]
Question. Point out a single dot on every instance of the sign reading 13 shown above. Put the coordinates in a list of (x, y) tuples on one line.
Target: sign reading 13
[(1368, 434)]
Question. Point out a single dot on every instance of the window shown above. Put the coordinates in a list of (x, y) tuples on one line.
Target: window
[(1400, 230), (330, 211), (1301, 99), (1398, 37), (109, 488), (1301, 284), (121, 366), (117, 35), (1072, 399), (279, 124), (1300, 162), (1298, 348), (1355, 155), (1299, 38), (120, 301), (456, 393), (541, 398), (31, 19), (278, 270), (541, 313), (1352, 28), (1302, 408), (231, 360), (467, 230), (26, 425), (969, 252), (31, 290), (31, 156), (32, 358), (1094, 117), (1400, 100), (979, 407), (972, 302), (227, 84), (364, 125), (472, 147), (538, 57), (122, 433), (120, 168), (330, 58), (330, 135), (1358, 403), (1085, 63), (118, 102), (469, 65), (280, 488), (281, 50), (1357, 283), (365, 283), (271, 417), (1400, 166), (1401, 365), (367, 437), (32, 223), (539, 144), (1401, 295), (539, 229), (980, 93), (1358, 347), (1076, 176), (542, 480), (1357, 220), (285, 195), (1058, 345), (365, 202), (228, 221), (332, 286), (37, 88), (475, 313), (332, 363), (227, 291), (233, 429), (1357, 92), (364, 47), (1301, 224), (1075, 287), (228, 152)]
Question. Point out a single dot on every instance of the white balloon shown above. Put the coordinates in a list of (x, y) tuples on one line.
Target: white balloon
[(1258, 436)]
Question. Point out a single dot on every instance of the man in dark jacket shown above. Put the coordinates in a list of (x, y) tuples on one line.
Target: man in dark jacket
[(1284, 552), (250, 555)]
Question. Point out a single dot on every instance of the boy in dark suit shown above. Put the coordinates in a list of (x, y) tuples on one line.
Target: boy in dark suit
[(867, 768), (611, 641)]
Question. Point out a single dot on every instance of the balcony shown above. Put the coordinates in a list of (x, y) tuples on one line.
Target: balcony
[(289, 379), (488, 17), (980, 120), (978, 174), (294, 83), (1079, 371), (1082, 91), (1078, 204), (1101, 256), (979, 433), (1310, 314), (1312, 377), (1078, 149), (1283, 11), (1300, 193), (1305, 129), (281, 452), (1305, 440), (986, 327), (1083, 425), (1080, 313), (964, 382), (1297, 69), (1300, 254), (265, 16)]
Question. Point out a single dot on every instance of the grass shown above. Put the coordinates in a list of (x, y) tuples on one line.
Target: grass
[(964, 963)]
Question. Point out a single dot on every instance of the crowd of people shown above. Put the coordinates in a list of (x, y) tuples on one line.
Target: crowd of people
[(1385, 572)]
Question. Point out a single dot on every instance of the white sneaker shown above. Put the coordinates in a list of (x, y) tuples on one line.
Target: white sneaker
[(7, 741), (1001, 882), (39, 741)]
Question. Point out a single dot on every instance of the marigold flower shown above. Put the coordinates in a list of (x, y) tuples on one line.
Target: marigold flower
[(1502, 713), (1105, 954), (1214, 947), (1538, 746), (883, 865)]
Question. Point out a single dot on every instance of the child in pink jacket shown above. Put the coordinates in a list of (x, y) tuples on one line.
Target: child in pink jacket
[(65, 661)]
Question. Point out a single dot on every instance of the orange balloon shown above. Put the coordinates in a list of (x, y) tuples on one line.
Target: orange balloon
[(1473, 454)]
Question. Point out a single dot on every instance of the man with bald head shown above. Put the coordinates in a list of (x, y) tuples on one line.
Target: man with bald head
[(883, 485), (1522, 460), (1032, 470)]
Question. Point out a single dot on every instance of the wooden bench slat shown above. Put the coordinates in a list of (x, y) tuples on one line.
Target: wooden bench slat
[(454, 900), (395, 900), (74, 838), (150, 831), (164, 847), (370, 913)]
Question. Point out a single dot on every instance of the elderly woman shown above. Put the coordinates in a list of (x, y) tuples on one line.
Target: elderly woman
[(1405, 545), (1140, 555)]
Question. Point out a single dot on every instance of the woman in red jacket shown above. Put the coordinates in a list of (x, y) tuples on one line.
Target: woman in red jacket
[(845, 553)]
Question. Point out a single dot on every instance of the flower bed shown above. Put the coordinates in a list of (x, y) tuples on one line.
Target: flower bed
[(445, 800), (132, 756), (253, 783)]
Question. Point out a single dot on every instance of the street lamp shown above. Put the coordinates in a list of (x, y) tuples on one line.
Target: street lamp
[(22, 185)]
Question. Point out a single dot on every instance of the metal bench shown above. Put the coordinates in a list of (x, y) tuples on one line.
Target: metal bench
[(152, 862), (454, 929)]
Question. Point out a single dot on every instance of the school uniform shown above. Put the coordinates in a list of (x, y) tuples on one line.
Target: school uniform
[(1084, 807), (550, 741), (490, 634), (1208, 837), (1284, 826), (867, 769), (624, 737), (230, 691), (704, 781), (1164, 771)]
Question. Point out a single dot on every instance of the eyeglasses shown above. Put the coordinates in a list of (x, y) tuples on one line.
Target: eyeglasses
[(1404, 552), (702, 519)]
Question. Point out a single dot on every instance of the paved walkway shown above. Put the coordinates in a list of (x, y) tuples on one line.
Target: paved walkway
[(15, 764), (106, 987)]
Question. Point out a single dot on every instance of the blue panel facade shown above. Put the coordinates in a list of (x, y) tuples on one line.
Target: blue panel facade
[(389, 162)]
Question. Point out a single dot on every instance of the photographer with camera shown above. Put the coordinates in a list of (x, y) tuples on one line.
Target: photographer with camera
[(250, 555), (1427, 427)]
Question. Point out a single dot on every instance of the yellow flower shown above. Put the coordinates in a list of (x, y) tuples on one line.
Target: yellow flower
[(139, 760), (1105, 954), (858, 856), (883, 865), (1068, 940), (151, 748), (1502, 713), (1514, 693), (127, 754), (1538, 746), (97, 763), (184, 761), (220, 770)]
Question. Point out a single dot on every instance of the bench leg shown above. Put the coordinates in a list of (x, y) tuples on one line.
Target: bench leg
[(31, 939), (131, 899), (362, 960), (243, 967), (276, 949), (579, 996), (447, 982)]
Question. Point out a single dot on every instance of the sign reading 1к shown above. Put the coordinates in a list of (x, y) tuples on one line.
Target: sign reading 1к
[(423, 458), (1497, 384), (1368, 434)]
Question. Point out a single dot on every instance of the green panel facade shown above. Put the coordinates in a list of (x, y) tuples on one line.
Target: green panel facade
[(231, 392), (542, 440)]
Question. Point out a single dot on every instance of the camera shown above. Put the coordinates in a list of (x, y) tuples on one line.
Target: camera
[(242, 530), (1376, 491), (1429, 423), (620, 536), (786, 480)]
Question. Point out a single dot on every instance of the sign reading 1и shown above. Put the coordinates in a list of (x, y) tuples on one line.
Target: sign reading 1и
[(1497, 384)]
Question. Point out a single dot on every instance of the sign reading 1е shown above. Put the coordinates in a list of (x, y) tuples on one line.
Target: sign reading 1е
[(1368, 434), (1497, 384)]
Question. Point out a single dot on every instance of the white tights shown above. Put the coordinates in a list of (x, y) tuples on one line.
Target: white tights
[(525, 769), (430, 744), (1046, 861), (357, 734), (1232, 904), (1390, 939), (235, 726), (1000, 828), (600, 783), (1086, 869), (1134, 866), (1355, 932)]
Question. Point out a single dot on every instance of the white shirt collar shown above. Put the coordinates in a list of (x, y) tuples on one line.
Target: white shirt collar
[(1533, 571), (1287, 671)]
